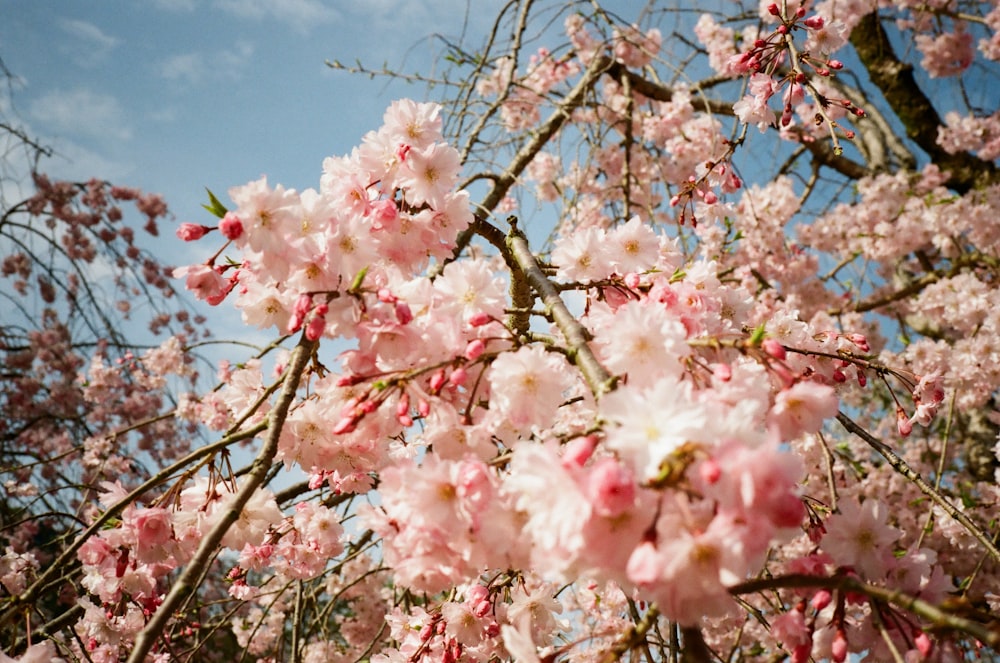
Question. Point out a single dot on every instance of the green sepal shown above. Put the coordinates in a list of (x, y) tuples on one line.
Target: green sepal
[(758, 335), (215, 208), (358, 280)]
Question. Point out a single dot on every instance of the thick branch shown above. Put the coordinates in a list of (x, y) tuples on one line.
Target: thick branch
[(207, 549), (597, 377), (899, 87)]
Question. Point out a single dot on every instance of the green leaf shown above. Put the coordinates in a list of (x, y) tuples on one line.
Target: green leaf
[(758, 335), (358, 280), (215, 208)]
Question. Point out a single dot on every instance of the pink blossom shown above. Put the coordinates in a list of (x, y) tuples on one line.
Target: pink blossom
[(860, 537), (802, 408), (528, 386)]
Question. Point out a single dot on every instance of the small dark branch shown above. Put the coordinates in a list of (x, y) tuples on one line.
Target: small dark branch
[(899, 87), (937, 616), (660, 92), (524, 156), (633, 637), (823, 154), (900, 466), (695, 650)]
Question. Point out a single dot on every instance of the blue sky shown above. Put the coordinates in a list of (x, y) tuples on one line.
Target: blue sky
[(177, 95)]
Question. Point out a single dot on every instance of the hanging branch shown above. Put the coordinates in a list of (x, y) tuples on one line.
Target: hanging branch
[(900, 466), (208, 547)]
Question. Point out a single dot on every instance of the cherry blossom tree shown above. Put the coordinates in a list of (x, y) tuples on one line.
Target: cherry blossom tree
[(667, 334)]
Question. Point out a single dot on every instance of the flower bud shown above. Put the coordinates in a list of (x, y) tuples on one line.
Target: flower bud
[(231, 226), (773, 348), (191, 231), (479, 319), (821, 599), (474, 349), (903, 423)]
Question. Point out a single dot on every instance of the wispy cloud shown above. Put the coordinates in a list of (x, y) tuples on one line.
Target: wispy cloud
[(185, 66), (89, 44), (302, 15), (80, 113), (194, 68)]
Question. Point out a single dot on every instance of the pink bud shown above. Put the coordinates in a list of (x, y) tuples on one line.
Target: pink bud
[(839, 376), (859, 340), (345, 425), (800, 12), (903, 422), (458, 377), (348, 380), (579, 450), (294, 324), (403, 406), (838, 648), (479, 319), (836, 65), (423, 408), (814, 22), (482, 608), (710, 198), (191, 231), (633, 280), (773, 10), (303, 304), (437, 380), (710, 471), (385, 295), (315, 328), (862, 378), (231, 226), (923, 643), (403, 313), (722, 372), (821, 599), (474, 349), (773, 348)]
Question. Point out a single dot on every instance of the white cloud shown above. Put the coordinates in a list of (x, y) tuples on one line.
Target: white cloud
[(195, 68), (186, 66), (301, 15), (92, 44), (80, 112)]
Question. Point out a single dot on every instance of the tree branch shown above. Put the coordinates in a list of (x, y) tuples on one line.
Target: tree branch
[(900, 466), (900, 89), (597, 377), (208, 547)]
